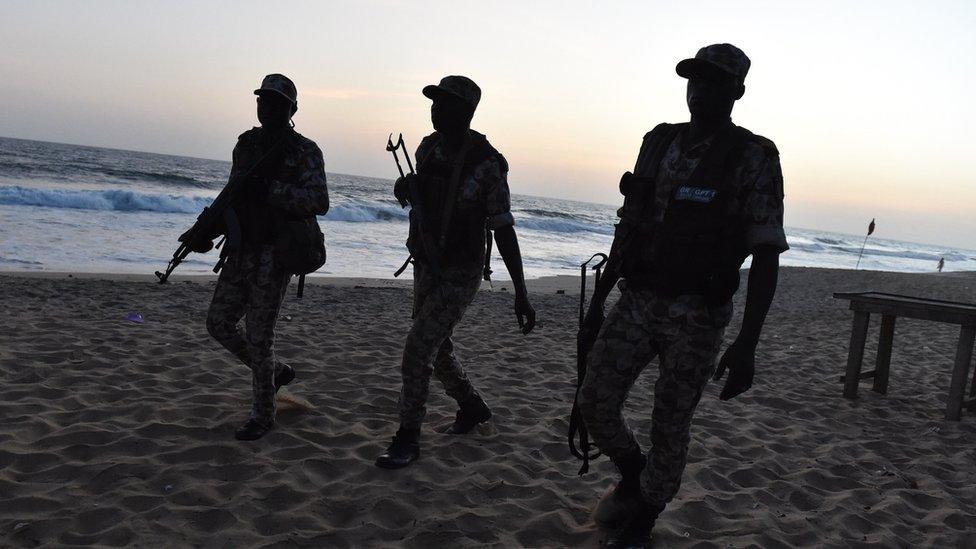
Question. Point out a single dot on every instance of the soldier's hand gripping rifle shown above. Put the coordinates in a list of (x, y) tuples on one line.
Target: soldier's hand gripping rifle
[(411, 197), (207, 225)]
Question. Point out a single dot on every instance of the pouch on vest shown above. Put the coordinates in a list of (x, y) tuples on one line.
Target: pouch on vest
[(633, 232), (691, 252), (299, 245)]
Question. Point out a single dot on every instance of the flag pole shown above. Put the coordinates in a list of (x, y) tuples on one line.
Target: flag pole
[(862, 252), (870, 230)]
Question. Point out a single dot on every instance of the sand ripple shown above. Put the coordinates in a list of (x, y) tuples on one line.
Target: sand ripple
[(119, 434)]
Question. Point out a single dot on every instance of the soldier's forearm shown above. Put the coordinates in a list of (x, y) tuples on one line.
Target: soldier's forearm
[(508, 247), (310, 199), (763, 276)]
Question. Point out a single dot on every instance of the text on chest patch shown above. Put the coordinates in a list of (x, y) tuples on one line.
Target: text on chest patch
[(695, 194)]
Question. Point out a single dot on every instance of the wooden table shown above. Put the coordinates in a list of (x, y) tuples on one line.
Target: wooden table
[(890, 307)]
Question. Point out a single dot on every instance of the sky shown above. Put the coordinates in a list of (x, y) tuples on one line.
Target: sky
[(870, 103)]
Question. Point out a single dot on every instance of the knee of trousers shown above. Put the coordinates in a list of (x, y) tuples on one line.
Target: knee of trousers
[(219, 328), (420, 348), (444, 360)]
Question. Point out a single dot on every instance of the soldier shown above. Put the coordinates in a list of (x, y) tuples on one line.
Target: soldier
[(285, 181), (459, 192), (703, 196)]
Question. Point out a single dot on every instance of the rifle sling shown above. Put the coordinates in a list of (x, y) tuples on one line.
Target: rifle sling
[(404, 266), (486, 271), (450, 200)]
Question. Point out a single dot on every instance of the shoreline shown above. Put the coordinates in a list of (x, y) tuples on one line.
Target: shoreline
[(568, 284)]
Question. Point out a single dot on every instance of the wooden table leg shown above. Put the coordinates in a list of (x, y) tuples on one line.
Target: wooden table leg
[(972, 394), (972, 388), (957, 388), (855, 354), (884, 354)]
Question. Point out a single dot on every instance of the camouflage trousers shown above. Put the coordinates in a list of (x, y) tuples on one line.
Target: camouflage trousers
[(685, 335), (251, 286), (439, 304)]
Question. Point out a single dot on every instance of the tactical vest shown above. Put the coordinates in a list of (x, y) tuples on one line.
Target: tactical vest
[(697, 247), (255, 219), (456, 227)]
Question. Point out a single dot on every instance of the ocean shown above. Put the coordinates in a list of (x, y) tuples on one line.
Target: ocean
[(87, 209)]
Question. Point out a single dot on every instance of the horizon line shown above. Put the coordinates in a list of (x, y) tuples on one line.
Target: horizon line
[(392, 179)]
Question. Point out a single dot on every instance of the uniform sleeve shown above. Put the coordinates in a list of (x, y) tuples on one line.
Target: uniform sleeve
[(639, 169), (762, 205), (493, 175), (310, 194), (237, 158)]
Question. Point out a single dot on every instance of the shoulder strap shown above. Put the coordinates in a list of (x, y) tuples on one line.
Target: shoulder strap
[(480, 151), (713, 169), (457, 166), (655, 144), (426, 146)]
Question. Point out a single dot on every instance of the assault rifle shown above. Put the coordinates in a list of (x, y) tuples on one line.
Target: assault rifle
[(577, 428), (430, 248), (208, 222)]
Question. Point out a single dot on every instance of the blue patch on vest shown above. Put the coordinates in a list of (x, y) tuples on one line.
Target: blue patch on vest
[(695, 194)]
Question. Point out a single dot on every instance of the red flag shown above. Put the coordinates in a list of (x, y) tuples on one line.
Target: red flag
[(871, 227)]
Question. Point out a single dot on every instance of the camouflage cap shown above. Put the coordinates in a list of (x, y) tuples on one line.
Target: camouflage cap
[(280, 84), (461, 87), (724, 57)]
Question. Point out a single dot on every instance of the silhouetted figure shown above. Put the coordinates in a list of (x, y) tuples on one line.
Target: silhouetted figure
[(461, 188), (941, 264), (287, 186), (703, 196)]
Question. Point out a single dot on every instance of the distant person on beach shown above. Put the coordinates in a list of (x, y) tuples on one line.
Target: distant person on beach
[(460, 192), (941, 264), (703, 196), (287, 183)]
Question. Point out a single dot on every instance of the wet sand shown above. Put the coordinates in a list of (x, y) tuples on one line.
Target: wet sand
[(121, 434)]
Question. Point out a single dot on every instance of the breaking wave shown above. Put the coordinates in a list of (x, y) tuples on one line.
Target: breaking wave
[(366, 213), (554, 225), (109, 199)]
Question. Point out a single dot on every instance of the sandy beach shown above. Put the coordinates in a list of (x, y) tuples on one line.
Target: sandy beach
[(114, 433)]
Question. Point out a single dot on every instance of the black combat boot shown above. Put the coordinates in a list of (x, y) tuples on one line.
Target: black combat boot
[(284, 377), (253, 429), (620, 505), (470, 415), (637, 533), (404, 450)]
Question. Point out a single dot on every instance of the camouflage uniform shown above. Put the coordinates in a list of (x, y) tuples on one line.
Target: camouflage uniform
[(683, 331), (252, 284), (440, 300)]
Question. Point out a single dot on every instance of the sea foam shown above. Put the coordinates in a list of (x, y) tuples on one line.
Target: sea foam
[(106, 199)]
